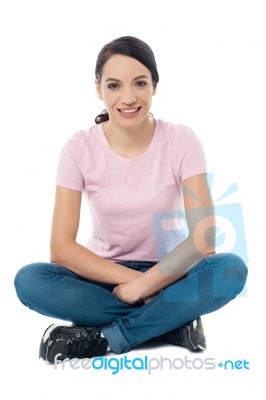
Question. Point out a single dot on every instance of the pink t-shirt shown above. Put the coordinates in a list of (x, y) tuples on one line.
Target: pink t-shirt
[(134, 203)]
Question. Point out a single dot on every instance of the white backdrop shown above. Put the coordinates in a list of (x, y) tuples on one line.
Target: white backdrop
[(211, 56)]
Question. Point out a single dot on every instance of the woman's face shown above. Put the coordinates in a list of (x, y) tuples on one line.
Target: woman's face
[(126, 89)]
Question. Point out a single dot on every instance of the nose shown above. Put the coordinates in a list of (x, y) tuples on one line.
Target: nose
[(129, 97)]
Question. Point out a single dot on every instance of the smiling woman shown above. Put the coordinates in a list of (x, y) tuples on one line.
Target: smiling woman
[(121, 289), (126, 87), (132, 89), (126, 79)]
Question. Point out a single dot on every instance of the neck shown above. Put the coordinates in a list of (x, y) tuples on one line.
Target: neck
[(129, 142)]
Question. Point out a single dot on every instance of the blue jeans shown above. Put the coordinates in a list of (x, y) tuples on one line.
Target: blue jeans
[(57, 292)]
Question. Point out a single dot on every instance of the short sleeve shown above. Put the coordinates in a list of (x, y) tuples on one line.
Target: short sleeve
[(192, 160), (71, 166)]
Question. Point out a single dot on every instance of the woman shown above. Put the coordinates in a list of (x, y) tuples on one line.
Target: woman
[(139, 277)]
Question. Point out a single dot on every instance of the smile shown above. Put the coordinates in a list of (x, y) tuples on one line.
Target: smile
[(129, 110)]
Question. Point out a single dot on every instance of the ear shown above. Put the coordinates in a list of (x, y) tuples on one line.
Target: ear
[(154, 89), (98, 89)]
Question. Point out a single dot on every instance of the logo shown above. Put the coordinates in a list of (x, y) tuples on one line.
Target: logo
[(171, 228), (230, 364), (123, 364)]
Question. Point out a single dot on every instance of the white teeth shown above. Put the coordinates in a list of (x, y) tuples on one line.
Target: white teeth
[(129, 111)]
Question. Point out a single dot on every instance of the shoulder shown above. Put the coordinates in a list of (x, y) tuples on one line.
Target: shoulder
[(83, 140), (87, 135), (177, 133), (186, 151)]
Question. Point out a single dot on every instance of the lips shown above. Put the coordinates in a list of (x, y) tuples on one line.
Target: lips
[(128, 111)]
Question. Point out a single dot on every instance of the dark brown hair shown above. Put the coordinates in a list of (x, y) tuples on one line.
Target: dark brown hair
[(127, 46)]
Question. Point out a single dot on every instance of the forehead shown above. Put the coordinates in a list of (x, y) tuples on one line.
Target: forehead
[(124, 68)]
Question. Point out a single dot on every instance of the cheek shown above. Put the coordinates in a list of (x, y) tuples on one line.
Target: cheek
[(109, 99), (148, 98)]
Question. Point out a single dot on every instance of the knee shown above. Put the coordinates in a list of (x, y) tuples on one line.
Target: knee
[(22, 281), (231, 277), (25, 281), (235, 268)]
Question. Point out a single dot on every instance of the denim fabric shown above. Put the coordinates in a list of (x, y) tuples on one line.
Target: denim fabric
[(57, 292)]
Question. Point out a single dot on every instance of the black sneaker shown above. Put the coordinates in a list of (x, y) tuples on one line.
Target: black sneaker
[(190, 335), (60, 342)]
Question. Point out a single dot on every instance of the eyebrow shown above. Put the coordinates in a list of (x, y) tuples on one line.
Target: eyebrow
[(135, 79)]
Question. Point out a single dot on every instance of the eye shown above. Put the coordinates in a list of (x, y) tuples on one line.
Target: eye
[(113, 85), (141, 84)]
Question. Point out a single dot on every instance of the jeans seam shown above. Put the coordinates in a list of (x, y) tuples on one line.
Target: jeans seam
[(55, 268)]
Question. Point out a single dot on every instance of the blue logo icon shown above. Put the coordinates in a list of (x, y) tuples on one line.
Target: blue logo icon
[(170, 227)]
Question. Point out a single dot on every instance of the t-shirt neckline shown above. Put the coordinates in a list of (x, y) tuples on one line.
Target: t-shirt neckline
[(142, 155)]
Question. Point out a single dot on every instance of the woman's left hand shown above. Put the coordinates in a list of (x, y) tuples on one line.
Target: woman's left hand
[(127, 292)]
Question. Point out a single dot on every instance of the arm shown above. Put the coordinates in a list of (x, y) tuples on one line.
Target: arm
[(200, 242), (67, 252)]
